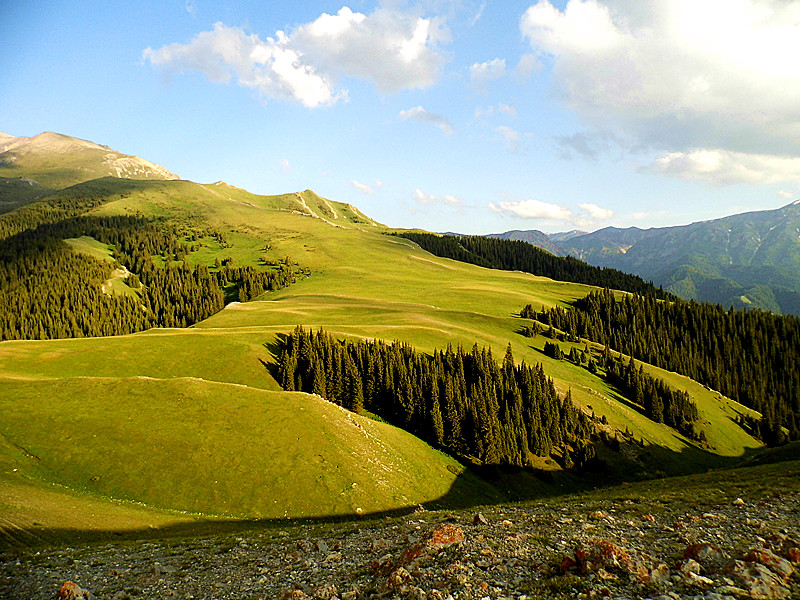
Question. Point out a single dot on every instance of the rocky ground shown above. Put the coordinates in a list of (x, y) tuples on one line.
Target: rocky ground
[(741, 548)]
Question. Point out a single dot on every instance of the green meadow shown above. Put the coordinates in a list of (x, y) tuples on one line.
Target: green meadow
[(175, 425)]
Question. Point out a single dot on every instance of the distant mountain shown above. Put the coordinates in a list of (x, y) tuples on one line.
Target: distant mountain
[(748, 260), (31, 167), (532, 236), (563, 236)]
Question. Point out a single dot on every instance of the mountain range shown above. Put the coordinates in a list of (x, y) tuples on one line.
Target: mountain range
[(749, 260)]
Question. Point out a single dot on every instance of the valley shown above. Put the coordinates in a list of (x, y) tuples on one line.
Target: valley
[(180, 428)]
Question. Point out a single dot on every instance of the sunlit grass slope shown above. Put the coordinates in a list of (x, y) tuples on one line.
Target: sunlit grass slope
[(216, 449), (188, 439)]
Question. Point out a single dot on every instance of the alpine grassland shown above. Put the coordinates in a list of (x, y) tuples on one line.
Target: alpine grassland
[(190, 424)]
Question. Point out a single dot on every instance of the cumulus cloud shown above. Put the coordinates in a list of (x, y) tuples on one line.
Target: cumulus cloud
[(423, 198), (420, 114), (527, 66), (680, 75), (595, 212), (725, 166), (787, 194), (588, 214), (480, 74), (532, 209), (394, 49)]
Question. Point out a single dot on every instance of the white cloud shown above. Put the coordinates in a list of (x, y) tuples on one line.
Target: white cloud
[(648, 216), (362, 187), (481, 74), (191, 7), (679, 75), (366, 188), (527, 66), (285, 164), (394, 49), (423, 198), (270, 66), (724, 167), (511, 137), (532, 209), (490, 111), (588, 216), (589, 145), (787, 194), (420, 114), (479, 14), (595, 212)]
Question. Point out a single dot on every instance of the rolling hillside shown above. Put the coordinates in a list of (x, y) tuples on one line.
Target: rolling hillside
[(193, 419)]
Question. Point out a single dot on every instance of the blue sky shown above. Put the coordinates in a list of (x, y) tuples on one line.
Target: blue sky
[(448, 115)]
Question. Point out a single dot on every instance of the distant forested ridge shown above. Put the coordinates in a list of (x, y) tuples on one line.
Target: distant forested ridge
[(464, 402), (515, 255), (47, 290), (750, 356)]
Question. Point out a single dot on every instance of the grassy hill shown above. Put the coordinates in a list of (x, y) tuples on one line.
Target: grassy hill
[(242, 452), (193, 419)]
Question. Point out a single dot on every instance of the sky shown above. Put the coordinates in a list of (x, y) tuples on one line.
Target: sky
[(448, 115)]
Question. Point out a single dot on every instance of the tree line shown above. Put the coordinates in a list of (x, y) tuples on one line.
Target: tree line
[(659, 402), (466, 403), (47, 290), (750, 356), (515, 255), (655, 399)]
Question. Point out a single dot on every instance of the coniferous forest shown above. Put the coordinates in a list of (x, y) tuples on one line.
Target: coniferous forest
[(47, 290), (659, 402), (515, 255), (466, 403), (749, 356)]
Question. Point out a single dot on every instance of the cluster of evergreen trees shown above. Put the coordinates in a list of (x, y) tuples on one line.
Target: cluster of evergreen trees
[(249, 283), (750, 356), (61, 206), (657, 400), (515, 255), (660, 402), (49, 291), (464, 402)]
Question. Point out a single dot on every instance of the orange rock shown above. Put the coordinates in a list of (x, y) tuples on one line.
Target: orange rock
[(446, 535), (72, 591)]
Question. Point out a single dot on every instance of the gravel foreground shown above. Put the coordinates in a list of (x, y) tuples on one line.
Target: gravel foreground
[(622, 549)]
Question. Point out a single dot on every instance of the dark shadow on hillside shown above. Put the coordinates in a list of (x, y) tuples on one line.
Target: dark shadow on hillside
[(472, 489), (274, 349)]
